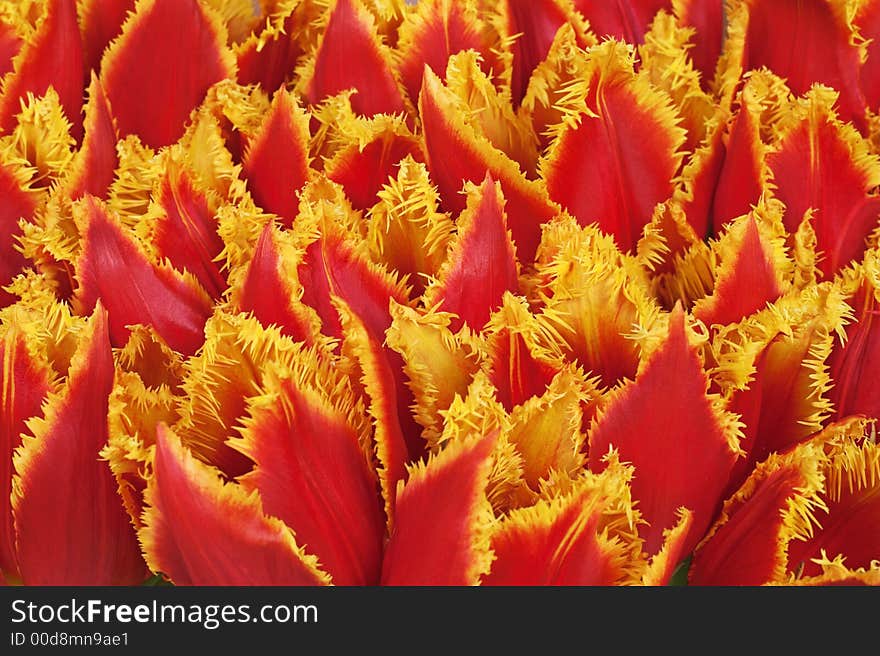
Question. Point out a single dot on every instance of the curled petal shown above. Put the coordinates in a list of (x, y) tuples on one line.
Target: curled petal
[(626, 20), (199, 530), (351, 55), (24, 383), (441, 531), (686, 432), (825, 165), (662, 565), (63, 488), (112, 268), (52, 56), (145, 100), (457, 153), (304, 434), (276, 160), (617, 151), (481, 264), (581, 537), (95, 163)]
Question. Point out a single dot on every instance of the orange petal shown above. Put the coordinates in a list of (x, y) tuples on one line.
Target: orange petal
[(95, 163), (52, 56), (440, 534), (616, 153), (626, 20), (145, 100), (825, 165), (580, 537), (668, 433), (101, 22), (351, 56), (707, 19), (481, 265), (867, 20), (774, 29), (200, 531), (269, 292), (434, 31), (752, 273), (276, 161), (747, 545), (186, 233), (17, 204), (63, 488), (458, 153), (24, 383), (851, 362), (304, 436), (112, 268)]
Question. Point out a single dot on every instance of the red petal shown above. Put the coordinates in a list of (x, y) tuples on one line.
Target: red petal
[(868, 21), (662, 565), (276, 163), (433, 32), (53, 57), (146, 100), (267, 291), (200, 531), (312, 473), (823, 164), (707, 18), (10, 44), (101, 22), (852, 364), (15, 204), (699, 183), (534, 24), (668, 433), (457, 154), (481, 264), (627, 20), (95, 163), (187, 233), (24, 383), (65, 489), (351, 56), (563, 541), (747, 545), (778, 28), (440, 524), (749, 278), (113, 269), (619, 159)]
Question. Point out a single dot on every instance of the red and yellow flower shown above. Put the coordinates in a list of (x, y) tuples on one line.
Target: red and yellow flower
[(364, 292)]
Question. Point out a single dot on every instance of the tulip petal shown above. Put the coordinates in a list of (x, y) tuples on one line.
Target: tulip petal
[(351, 54), (406, 229), (458, 153), (825, 165), (616, 153), (747, 545), (774, 29), (867, 20), (751, 273), (269, 292), (18, 203), (24, 383), (276, 160), (101, 22), (304, 434), (687, 433), (625, 20), (440, 534), (581, 537), (53, 56), (707, 18), (201, 531), (112, 268), (10, 44), (95, 163), (63, 488), (835, 573), (851, 362), (481, 264), (145, 100), (662, 565)]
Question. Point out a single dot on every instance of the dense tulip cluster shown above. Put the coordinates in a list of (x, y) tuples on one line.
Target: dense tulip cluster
[(445, 293)]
